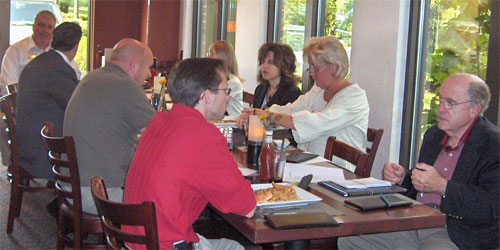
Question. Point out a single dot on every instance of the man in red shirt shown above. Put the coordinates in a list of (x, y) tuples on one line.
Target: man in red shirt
[(182, 161)]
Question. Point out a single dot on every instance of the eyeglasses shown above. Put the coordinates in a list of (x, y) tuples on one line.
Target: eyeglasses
[(314, 68), (227, 90), (210, 53), (449, 104)]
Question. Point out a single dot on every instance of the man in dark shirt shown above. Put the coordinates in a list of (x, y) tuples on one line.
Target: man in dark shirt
[(457, 173)]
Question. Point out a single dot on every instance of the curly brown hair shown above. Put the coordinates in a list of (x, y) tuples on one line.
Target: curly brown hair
[(284, 59)]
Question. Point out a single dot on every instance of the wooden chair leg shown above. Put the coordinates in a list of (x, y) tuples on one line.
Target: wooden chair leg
[(14, 207), (61, 230), (19, 202)]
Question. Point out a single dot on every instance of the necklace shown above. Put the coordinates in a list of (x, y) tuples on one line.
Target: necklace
[(270, 93)]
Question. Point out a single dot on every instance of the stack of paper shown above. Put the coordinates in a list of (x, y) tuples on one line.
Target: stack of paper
[(363, 183)]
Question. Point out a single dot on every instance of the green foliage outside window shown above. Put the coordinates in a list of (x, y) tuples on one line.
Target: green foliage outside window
[(457, 42), (294, 16), (81, 57)]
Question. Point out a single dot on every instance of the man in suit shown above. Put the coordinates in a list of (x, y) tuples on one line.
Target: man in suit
[(45, 87), (457, 173)]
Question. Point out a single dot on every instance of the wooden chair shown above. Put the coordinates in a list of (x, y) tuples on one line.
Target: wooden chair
[(248, 98), (374, 136), (71, 218), (11, 88), (115, 214), (20, 177), (346, 152)]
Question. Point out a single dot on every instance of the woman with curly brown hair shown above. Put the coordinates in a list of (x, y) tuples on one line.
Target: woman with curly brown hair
[(276, 76)]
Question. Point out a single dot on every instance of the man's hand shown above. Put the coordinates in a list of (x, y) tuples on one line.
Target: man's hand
[(426, 179), (394, 173)]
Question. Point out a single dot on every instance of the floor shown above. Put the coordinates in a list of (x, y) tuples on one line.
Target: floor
[(35, 228)]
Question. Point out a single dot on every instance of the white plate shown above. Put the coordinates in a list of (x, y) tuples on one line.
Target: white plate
[(304, 197)]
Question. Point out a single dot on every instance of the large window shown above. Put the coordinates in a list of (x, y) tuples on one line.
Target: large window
[(294, 21), (215, 20), (454, 38), (23, 13)]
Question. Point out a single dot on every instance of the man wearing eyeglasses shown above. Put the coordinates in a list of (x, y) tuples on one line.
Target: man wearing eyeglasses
[(182, 161), (457, 173)]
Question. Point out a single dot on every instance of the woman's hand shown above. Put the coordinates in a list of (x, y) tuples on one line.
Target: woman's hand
[(242, 120)]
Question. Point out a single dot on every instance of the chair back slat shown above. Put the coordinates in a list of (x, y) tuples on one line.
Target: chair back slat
[(8, 108), (346, 152), (374, 136), (62, 155), (115, 214), (248, 98), (12, 88), (21, 177)]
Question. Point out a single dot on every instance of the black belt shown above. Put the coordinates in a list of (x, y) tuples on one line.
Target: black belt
[(182, 245)]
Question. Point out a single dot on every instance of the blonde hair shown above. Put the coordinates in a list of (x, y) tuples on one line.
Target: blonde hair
[(224, 50), (329, 50)]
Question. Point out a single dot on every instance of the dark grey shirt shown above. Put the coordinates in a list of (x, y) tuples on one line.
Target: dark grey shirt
[(104, 115)]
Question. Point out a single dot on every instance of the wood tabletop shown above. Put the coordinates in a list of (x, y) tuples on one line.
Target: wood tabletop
[(353, 221)]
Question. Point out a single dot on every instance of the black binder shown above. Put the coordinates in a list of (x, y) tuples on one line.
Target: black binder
[(377, 202), (299, 157), (361, 191), (300, 220)]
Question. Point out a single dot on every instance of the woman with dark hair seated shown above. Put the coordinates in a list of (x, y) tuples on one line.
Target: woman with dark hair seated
[(277, 82)]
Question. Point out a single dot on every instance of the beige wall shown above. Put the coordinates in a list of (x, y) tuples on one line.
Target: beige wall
[(4, 26)]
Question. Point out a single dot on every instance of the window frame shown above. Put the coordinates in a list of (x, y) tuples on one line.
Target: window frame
[(314, 27)]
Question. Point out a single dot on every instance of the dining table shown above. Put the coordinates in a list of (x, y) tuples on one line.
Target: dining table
[(352, 221)]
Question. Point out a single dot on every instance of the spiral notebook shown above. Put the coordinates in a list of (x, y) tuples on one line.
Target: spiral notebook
[(361, 191)]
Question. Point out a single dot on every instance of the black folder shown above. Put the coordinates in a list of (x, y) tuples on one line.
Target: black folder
[(300, 220), (361, 191), (299, 157), (376, 202)]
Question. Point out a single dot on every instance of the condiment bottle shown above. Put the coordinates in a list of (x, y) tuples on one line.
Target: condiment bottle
[(267, 156), (162, 102)]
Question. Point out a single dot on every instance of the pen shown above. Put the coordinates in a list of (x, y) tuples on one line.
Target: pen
[(385, 200)]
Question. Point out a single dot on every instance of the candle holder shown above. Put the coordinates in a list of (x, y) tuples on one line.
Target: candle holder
[(255, 137), (253, 153)]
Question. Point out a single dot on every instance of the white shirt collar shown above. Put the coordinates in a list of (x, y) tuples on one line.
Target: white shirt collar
[(63, 56), (32, 44)]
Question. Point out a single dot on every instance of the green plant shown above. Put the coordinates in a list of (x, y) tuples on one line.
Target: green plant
[(458, 42), (81, 57)]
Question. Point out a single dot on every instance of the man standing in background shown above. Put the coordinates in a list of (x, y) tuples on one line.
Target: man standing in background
[(19, 54)]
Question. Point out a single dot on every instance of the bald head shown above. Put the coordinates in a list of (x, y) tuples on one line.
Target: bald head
[(134, 57)]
